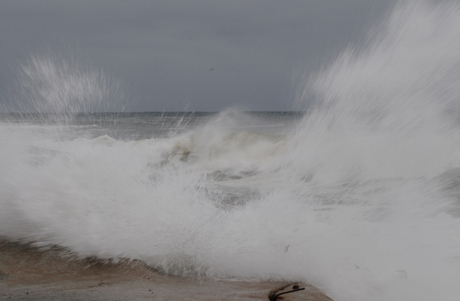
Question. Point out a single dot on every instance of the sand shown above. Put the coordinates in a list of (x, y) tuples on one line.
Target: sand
[(29, 273)]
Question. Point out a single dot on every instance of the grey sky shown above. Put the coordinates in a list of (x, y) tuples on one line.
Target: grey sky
[(180, 55)]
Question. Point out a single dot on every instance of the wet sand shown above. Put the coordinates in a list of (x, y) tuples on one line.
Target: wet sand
[(29, 273)]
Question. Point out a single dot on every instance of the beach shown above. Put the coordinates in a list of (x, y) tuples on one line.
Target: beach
[(28, 273)]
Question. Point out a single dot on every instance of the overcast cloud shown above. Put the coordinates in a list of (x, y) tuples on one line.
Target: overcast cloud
[(188, 55)]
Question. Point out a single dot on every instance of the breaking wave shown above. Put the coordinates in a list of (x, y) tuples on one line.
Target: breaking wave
[(358, 197)]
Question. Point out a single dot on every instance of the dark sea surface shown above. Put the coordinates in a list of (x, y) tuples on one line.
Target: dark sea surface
[(145, 125)]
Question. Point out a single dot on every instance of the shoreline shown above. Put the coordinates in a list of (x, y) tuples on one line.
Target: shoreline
[(30, 273)]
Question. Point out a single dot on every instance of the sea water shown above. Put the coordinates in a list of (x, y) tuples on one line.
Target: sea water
[(358, 195)]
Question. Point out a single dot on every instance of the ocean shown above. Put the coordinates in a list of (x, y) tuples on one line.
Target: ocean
[(357, 192)]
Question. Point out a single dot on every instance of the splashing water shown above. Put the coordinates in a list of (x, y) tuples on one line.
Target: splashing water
[(59, 89), (360, 197)]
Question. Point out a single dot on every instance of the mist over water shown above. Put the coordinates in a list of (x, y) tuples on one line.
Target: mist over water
[(359, 197)]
